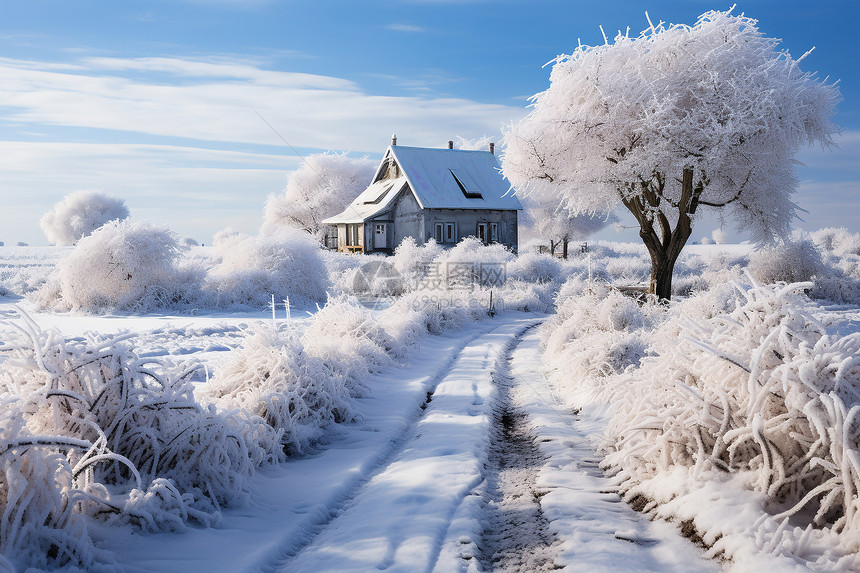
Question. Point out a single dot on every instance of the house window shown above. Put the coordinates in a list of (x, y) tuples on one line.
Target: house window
[(482, 232), (352, 235), (470, 191), (445, 232), (494, 232)]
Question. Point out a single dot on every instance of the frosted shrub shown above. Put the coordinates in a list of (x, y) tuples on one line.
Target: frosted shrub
[(122, 266), (597, 333), (763, 391), (38, 524), (252, 269), (341, 268), (79, 214), (273, 377), (838, 241), (413, 261), (349, 333), (837, 287), (535, 267), (140, 448), (787, 262), (719, 236)]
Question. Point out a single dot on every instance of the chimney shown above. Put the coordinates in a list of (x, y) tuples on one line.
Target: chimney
[(394, 140), (492, 148), (450, 144)]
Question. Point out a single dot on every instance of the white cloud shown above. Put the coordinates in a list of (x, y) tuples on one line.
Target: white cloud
[(406, 28), (157, 100), (214, 100)]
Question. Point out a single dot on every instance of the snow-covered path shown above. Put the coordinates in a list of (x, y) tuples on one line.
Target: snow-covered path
[(421, 511), (415, 485)]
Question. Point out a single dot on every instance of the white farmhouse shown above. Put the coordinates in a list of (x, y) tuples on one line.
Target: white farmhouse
[(425, 193)]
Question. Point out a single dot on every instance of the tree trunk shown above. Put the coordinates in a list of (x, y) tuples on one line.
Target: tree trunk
[(564, 247), (665, 247)]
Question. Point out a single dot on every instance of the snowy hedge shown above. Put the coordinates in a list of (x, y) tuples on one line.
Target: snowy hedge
[(300, 385)]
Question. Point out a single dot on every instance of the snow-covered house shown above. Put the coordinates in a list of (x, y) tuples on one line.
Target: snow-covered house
[(425, 193)]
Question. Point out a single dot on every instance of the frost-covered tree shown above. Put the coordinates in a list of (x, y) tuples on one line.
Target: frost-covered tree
[(678, 119), (79, 214), (547, 219), (323, 186)]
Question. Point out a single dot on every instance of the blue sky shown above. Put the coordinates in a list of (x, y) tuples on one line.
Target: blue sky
[(157, 102)]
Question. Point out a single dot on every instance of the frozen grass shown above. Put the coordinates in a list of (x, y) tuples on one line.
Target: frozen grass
[(740, 381), (89, 429)]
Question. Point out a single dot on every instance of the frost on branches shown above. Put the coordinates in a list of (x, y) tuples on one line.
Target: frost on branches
[(678, 119), (323, 186)]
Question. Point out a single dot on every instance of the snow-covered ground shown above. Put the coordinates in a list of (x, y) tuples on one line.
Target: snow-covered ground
[(478, 448)]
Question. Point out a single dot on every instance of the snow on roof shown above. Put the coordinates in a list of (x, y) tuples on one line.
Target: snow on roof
[(370, 202), (455, 178)]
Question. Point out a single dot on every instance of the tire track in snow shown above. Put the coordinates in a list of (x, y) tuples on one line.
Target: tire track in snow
[(280, 557), (517, 535), (595, 529), (400, 519)]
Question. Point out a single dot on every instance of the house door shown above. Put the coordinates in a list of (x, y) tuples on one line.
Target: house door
[(380, 236), (482, 232)]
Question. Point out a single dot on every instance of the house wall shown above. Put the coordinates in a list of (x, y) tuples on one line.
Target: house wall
[(408, 220), (467, 220)]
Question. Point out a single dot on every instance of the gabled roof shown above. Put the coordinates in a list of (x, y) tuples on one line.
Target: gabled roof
[(370, 202), (454, 178), (439, 179)]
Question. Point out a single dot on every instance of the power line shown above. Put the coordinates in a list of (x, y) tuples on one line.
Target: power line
[(287, 142)]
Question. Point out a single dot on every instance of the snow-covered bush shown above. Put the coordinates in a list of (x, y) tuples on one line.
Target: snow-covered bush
[(300, 385), (535, 267), (39, 526), (252, 269), (836, 287), (273, 377), (341, 268), (599, 332), (413, 262), (350, 333), (838, 241), (122, 266), (90, 428), (79, 214), (764, 392), (719, 236), (786, 262)]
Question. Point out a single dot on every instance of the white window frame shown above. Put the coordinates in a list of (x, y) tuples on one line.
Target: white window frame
[(481, 232), (445, 232), (494, 232)]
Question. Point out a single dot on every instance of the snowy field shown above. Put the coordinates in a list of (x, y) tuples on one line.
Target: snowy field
[(180, 427)]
